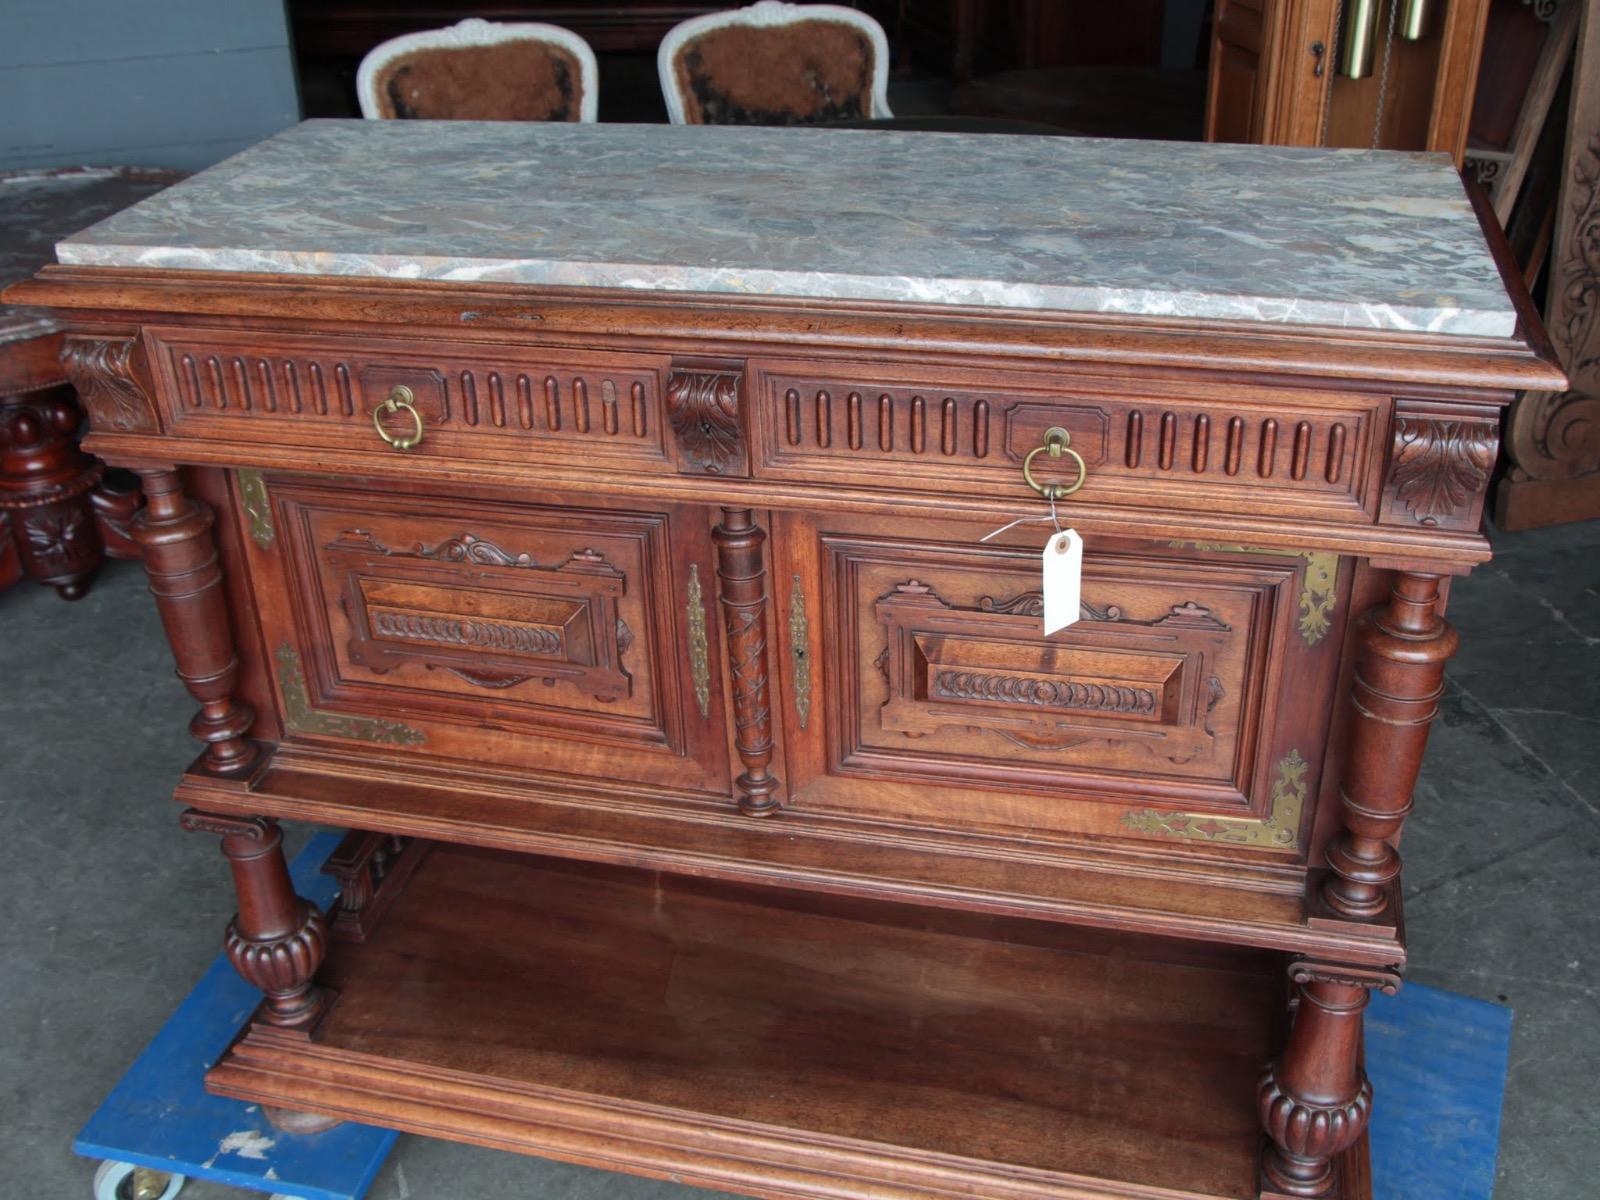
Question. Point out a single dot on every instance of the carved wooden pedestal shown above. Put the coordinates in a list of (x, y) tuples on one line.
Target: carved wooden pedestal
[(59, 517)]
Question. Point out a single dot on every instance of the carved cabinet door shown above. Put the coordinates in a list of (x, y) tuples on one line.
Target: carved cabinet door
[(1185, 706), (570, 640)]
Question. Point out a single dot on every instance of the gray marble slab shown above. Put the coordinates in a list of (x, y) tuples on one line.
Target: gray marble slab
[(1358, 239), (37, 207)]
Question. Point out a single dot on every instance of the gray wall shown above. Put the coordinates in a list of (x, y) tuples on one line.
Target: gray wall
[(153, 83)]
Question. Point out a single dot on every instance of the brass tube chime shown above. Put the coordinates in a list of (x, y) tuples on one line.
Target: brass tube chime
[(1414, 20), (1358, 39)]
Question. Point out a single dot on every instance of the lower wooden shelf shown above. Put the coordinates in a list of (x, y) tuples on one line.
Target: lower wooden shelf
[(786, 1044)]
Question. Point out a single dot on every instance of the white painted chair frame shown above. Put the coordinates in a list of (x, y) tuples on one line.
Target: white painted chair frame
[(770, 14), (477, 32)]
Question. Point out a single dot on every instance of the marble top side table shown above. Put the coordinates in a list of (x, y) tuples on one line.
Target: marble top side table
[(59, 515)]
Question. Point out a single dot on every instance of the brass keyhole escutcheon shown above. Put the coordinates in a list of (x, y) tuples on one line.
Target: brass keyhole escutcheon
[(1057, 442), (400, 399)]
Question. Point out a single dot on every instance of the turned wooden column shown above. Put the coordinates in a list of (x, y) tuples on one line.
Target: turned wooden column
[(1315, 1100), (276, 940), (744, 610), (1399, 678), (174, 531)]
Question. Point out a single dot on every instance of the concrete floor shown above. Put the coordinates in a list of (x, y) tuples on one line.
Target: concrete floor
[(108, 914)]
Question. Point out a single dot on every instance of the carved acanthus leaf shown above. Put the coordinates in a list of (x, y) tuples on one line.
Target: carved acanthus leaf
[(102, 371), (1441, 466), (703, 409)]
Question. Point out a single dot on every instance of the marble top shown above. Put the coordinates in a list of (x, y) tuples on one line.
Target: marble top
[(1358, 239), (37, 207)]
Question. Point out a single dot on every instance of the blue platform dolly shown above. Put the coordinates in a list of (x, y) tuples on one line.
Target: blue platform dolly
[(159, 1125), (1438, 1063)]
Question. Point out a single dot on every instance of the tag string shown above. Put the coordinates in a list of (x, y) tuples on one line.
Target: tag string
[(1053, 518)]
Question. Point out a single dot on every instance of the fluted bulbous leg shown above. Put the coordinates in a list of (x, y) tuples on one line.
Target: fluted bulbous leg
[(276, 940), (1315, 1100)]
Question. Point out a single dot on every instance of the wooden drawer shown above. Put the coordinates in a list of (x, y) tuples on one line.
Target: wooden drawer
[(480, 401), (573, 641), (1207, 447), (1188, 702)]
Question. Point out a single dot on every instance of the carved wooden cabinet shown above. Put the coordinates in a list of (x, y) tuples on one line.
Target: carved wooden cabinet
[(722, 812)]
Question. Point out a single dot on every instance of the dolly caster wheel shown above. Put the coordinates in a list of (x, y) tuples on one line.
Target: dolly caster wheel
[(124, 1181)]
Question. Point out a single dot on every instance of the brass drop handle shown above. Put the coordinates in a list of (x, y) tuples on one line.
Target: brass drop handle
[(400, 398), (1057, 441)]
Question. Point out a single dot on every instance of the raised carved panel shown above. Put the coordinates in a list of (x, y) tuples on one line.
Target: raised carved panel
[(976, 670), (1439, 467), (1165, 712), (105, 372), (943, 676), (562, 624), (703, 407), (518, 636)]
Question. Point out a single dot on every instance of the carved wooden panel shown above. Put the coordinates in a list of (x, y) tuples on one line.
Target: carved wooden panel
[(566, 627), (704, 409), (1439, 465), (511, 636), (1300, 451), (945, 704), (1553, 437), (1154, 681), (304, 389), (107, 373)]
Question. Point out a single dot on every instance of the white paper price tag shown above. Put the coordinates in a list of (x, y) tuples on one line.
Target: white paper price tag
[(1063, 579)]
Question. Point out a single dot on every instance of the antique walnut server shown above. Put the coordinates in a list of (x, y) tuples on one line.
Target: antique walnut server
[(591, 518)]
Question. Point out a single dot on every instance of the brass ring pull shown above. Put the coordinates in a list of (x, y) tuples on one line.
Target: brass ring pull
[(1057, 441), (400, 398)]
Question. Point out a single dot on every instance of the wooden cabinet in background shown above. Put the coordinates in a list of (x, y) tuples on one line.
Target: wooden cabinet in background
[(1274, 77)]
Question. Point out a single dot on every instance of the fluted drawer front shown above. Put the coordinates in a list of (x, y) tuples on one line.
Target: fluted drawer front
[(513, 403), (961, 431)]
